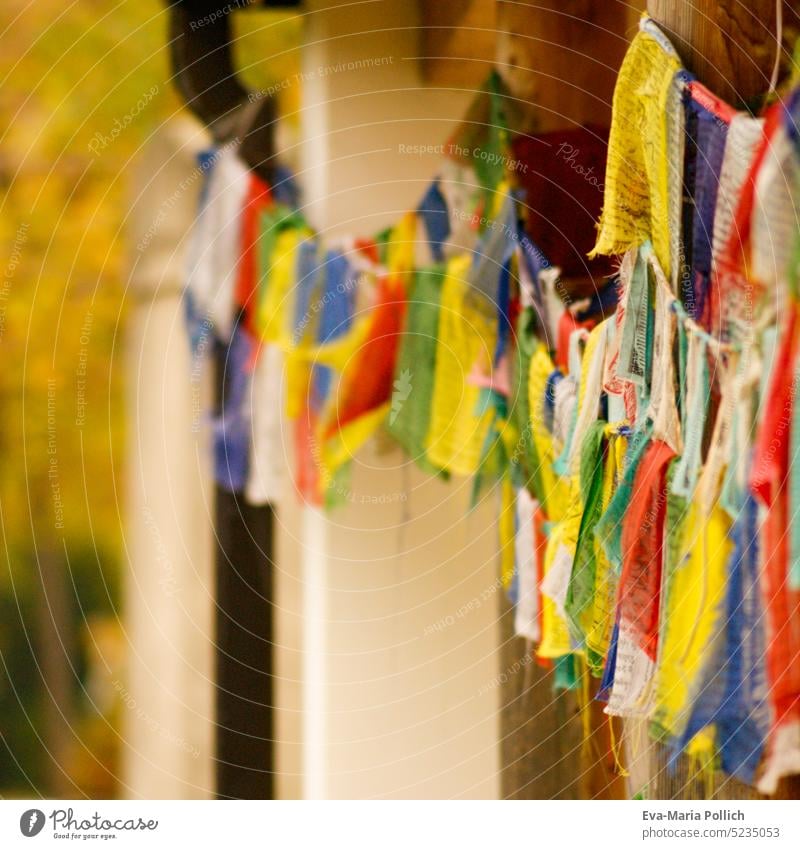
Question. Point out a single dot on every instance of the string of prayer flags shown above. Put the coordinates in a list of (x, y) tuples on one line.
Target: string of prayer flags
[(634, 408)]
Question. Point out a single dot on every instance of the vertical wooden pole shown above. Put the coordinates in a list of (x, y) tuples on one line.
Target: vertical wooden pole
[(243, 639), (559, 60), (244, 691), (729, 45), (561, 57), (205, 74)]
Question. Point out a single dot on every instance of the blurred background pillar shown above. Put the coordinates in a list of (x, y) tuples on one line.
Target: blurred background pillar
[(167, 694), (395, 704)]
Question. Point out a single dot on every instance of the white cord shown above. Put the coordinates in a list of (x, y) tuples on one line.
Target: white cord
[(773, 83)]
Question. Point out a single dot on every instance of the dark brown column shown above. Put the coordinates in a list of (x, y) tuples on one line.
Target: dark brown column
[(244, 689)]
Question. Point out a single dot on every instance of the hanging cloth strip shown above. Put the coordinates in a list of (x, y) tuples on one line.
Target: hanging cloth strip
[(580, 592), (662, 409), (565, 402), (711, 121), (676, 152), (257, 200), (549, 406), (266, 468), (293, 335), (745, 403), (555, 580), (363, 397), (735, 291), (531, 262), (638, 604), (635, 359), (774, 220), (299, 327), (526, 613), (335, 309), (794, 466), (467, 334), (366, 363), (525, 409), (231, 427), (609, 527), (698, 389), (794, 492), (746, 139), (580, 453), (637, 205), (215, 242), (720, 446), (314, 359), (283, 235), (603, 610), (733, 695), (198, 323), (642, 539), (560, 554), (550, 282), (435, 217), (410, 414), (622, 393), (568, 323), (555, 489), (769, 483), (563, 542), (589, 392), (632, 677), (612, 383), (694, 615)]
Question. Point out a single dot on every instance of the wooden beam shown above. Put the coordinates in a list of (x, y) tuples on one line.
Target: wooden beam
[(560, 58), (244, 680), (205, 74), (730, 46), (243, 640)]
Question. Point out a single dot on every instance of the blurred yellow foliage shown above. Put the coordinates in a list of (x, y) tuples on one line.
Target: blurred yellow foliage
[(82, 87)]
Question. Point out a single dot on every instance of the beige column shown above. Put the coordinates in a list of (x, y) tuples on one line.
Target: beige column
[(167, 696), (399, 584)]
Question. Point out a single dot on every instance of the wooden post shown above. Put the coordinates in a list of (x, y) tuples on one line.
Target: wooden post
[(559, 59), (243, 668), (205, 74), (729, 45)]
